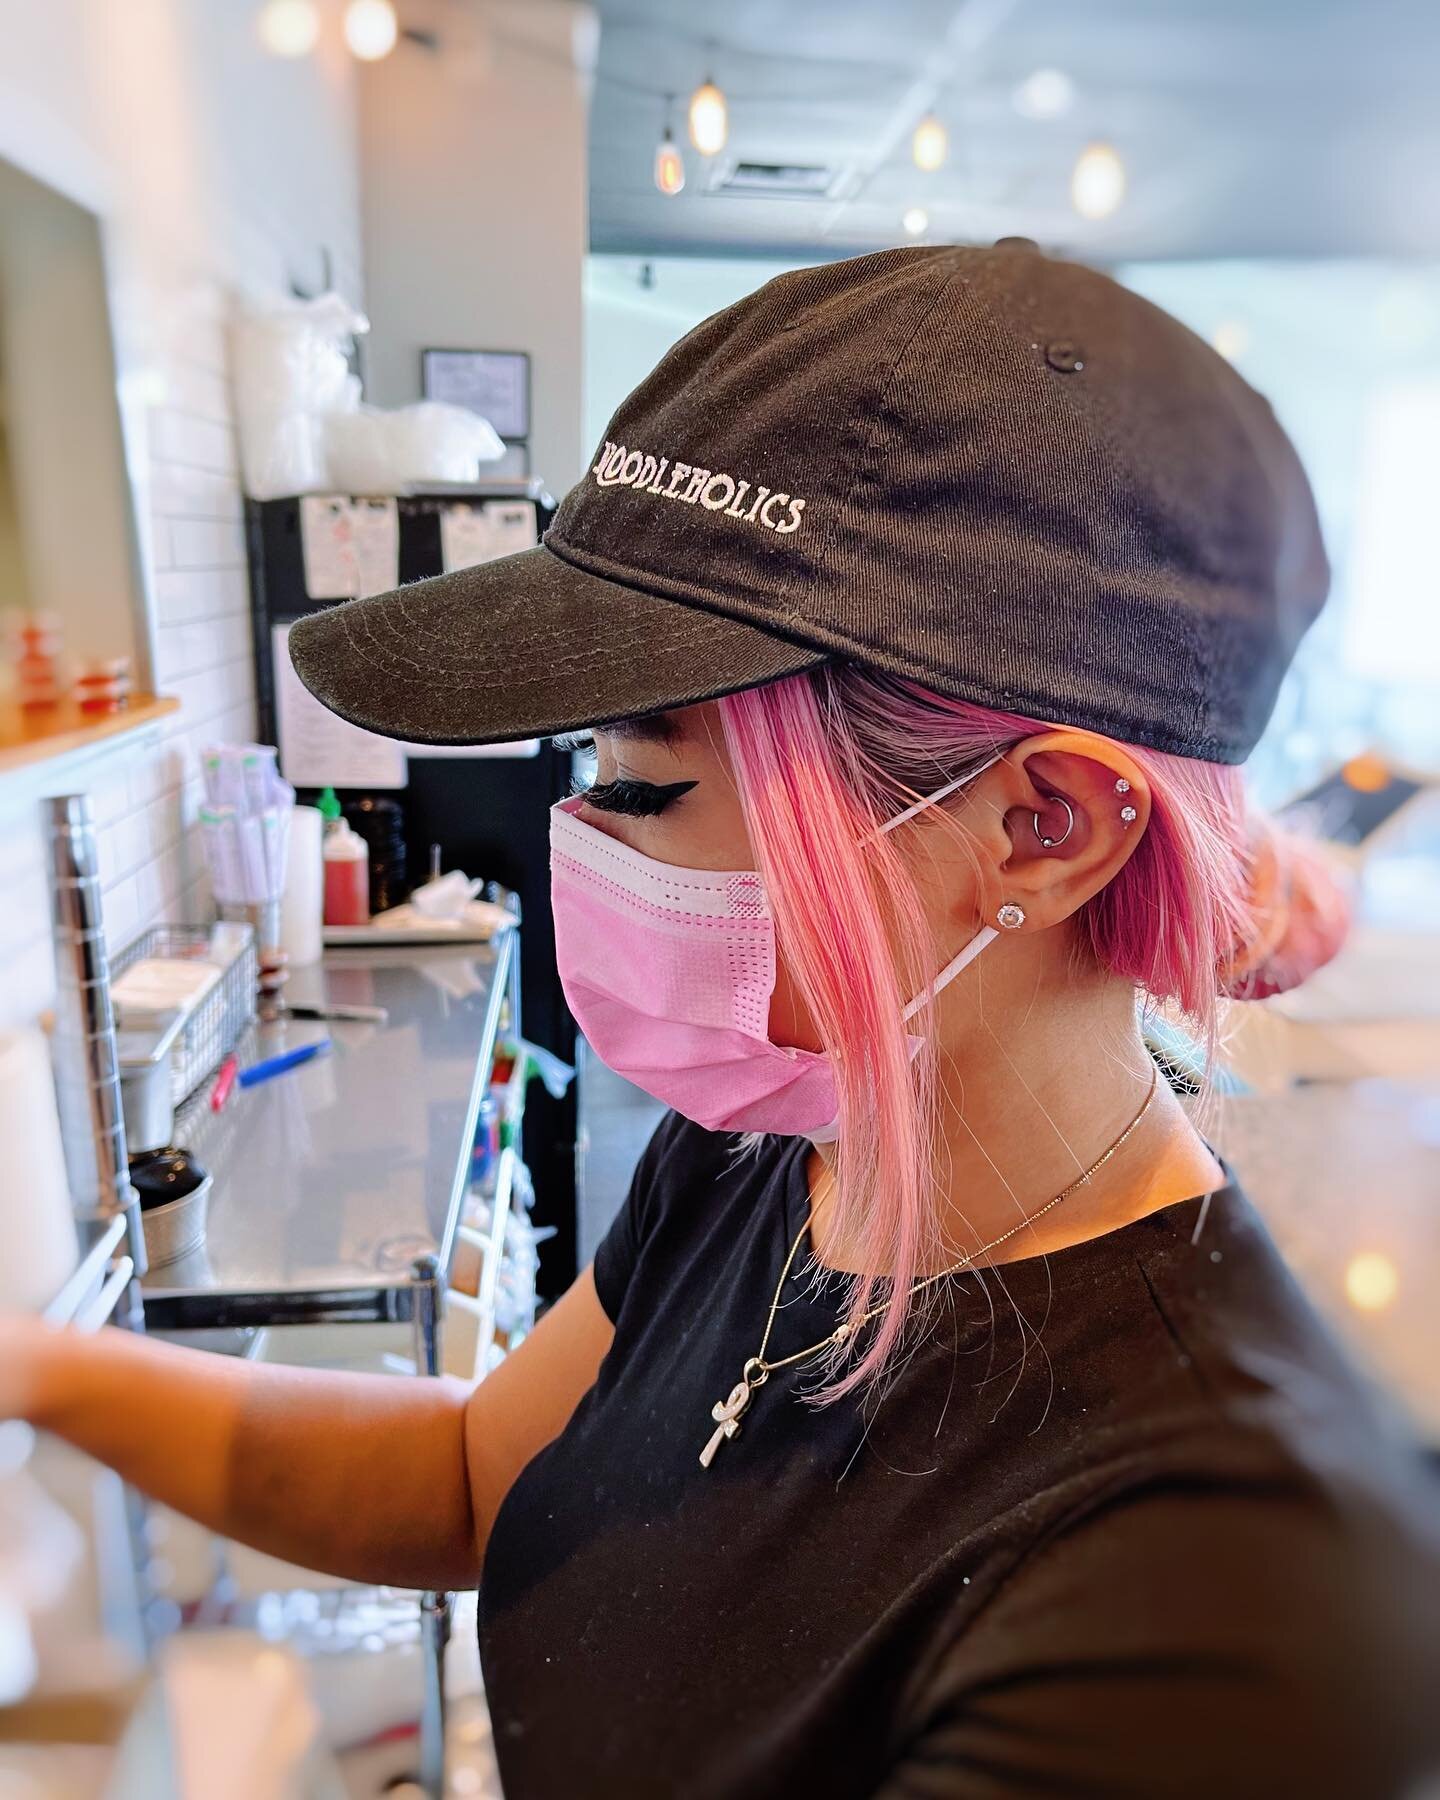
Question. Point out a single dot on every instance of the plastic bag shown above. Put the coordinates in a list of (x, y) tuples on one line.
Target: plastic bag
[(374, 451), (290, 363)]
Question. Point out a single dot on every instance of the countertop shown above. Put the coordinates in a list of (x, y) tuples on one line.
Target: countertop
[(332, 1178)]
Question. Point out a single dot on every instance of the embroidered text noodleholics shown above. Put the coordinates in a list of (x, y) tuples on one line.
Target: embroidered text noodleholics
[(619, 467)]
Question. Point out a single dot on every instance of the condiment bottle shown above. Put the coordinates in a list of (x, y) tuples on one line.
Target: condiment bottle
[(347, 877)]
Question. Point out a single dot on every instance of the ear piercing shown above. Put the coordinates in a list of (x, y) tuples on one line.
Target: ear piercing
[(1128, 816), (1010, 916), (1050, 843)]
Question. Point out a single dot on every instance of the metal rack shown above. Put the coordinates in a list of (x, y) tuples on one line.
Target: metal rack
[(292, 1239), (305, 1229)]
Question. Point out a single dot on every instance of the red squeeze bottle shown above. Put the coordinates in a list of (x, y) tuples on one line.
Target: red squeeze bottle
[(347, 877)]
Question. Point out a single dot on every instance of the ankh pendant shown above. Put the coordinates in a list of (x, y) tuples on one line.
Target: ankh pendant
[(727, 1413)]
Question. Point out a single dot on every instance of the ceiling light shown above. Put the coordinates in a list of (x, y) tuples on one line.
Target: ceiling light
[(1097, 183), (1371, 1281), (289, 27), (930, 145), (1047, 94), (370, 29), (709, 119), (1231, 337), (669, 165), (916, 221)]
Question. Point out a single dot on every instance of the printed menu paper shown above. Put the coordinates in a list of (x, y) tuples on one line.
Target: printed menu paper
[(478, 532), (351, 546), (318, 749)]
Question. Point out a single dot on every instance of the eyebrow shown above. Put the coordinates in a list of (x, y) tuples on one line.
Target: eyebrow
[(647, 728)]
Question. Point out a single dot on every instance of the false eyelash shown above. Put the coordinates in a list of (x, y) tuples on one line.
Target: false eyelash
[(633, 799)]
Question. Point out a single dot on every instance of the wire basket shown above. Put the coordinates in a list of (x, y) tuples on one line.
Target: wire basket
[(213, 1029)]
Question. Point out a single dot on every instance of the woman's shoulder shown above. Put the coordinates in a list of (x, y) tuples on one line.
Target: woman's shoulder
[(684, 1162), (688, 1184)]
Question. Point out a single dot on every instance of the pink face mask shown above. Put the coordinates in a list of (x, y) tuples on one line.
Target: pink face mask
[(669, 974)]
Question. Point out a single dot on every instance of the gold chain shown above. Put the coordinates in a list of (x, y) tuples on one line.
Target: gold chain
[(842, 1332), (728, 1413)]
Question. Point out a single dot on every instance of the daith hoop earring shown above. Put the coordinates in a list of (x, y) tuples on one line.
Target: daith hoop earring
[(1050, 843)]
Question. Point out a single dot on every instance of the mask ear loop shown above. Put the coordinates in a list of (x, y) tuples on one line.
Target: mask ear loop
[(932, 799), (986, 934)]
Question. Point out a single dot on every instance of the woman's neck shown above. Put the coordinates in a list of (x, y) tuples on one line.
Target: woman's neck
[(1026, 1109)]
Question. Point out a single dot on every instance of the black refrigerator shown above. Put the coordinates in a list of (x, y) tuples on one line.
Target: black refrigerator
[(490, 818)]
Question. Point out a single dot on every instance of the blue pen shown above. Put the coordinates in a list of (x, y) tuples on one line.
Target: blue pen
[(277, 1065)]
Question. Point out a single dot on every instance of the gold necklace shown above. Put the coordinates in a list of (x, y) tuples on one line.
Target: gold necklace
[(757, 1370)]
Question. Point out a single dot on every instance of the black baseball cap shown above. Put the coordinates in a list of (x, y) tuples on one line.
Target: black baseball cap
[(1000, 474)]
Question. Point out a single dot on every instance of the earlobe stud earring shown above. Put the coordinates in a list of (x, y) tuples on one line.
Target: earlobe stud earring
[(1010, 916)]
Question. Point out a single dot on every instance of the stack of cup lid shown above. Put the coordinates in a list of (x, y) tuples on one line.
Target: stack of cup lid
[(103, 684), (33, 644)]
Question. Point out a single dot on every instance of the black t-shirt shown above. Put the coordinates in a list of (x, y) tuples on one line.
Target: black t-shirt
[(1127, 1524)]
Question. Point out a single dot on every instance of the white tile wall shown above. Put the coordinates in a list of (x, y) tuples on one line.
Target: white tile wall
[(221, 171)]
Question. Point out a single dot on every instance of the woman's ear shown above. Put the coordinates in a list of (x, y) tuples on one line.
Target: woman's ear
[(1075, 806)]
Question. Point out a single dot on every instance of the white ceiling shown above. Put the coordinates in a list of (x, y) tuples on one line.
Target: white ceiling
[(1248, 127)]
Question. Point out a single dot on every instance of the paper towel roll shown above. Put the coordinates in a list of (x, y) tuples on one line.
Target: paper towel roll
[(303, 905), (37, 1225)]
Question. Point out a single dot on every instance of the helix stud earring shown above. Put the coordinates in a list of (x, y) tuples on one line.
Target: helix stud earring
[(1128, 815), (1122, 786), (1050, 843), (1010, 916)]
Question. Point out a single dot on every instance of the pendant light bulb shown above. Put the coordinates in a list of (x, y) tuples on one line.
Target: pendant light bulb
[(669, 165), (930, 145), (371, 29), (289, 28), (709, 119), (1097, 183)]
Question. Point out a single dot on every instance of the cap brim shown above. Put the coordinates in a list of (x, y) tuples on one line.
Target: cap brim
[(525, 646)]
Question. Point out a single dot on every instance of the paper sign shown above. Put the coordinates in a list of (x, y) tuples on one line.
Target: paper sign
[(478, 533), (493, 383), (351, 547), (318, 749)]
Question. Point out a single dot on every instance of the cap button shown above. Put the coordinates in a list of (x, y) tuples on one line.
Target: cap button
[(1064, 357)]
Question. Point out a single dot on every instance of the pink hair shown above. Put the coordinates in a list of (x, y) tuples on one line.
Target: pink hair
[(820, 760)]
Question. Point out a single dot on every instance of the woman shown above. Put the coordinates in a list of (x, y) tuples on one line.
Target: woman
[(937, 1417)]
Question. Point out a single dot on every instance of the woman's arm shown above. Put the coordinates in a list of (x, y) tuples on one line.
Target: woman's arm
[(369, 1477)]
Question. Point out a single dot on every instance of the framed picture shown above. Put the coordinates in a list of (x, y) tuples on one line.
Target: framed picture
[(494, 383)]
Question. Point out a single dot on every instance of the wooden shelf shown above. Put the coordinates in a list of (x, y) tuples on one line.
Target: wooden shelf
[(35, 736)]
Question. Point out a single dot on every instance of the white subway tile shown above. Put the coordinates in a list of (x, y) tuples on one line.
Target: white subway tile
[(184, 437), (179, 491), (121, 910), (207, 543)]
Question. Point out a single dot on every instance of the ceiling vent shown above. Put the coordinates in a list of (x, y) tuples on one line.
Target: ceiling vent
[(751, 180)]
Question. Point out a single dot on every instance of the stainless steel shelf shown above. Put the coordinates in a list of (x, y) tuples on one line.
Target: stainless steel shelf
[(333, 1179)]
